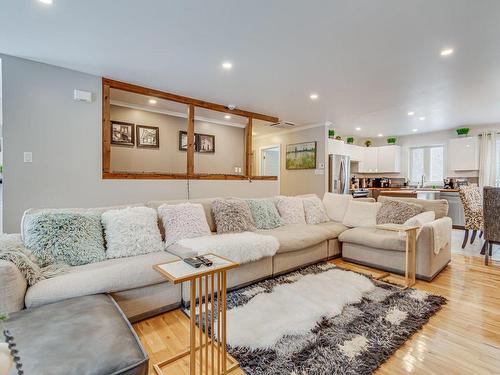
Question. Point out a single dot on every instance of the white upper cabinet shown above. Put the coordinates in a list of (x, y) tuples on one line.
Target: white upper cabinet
[(355, 152), (463, 154), (336, 147), (370, 160), (389, 159)]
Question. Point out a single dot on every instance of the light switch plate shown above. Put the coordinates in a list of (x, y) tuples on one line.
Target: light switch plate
[(28, 157)]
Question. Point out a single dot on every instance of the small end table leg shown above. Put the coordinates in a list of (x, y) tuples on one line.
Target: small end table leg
[(192, 329)]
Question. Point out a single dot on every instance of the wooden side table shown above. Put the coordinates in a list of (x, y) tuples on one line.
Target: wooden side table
[(212, 355), (411, 249)]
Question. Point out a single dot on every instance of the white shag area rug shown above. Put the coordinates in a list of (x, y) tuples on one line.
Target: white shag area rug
[(242, 247), (294, 309)]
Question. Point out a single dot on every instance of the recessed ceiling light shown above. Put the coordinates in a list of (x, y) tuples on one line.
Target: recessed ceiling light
[(46, 2), (380, 135), (422, 118), (358, 129), (227, 65), (227, 117), (411, 113), (314, 96), (152, 101), (447, 52), (414, 130)]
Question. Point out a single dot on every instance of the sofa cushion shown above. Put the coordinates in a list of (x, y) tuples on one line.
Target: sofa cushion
[(376, 238), (264, 213), (206, 203), (315, 211), (232, 215), (112, 275), (131, 231), (439, 206), (183, 220), (87, 335), (291, 210), (361, 214), (294, 237), (397, 212), (71, 238), (336, 205)]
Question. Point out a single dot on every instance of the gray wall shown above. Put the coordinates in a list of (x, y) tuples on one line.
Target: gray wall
[(65, 137), (229, 145), (294, 182)]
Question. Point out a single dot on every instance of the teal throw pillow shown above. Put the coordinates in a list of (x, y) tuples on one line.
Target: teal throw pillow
[(265, 214), (70, 238)]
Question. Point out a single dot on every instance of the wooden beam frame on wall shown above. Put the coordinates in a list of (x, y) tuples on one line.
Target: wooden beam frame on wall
[(108, 84)]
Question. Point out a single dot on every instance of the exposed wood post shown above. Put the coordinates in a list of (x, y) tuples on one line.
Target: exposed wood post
[(190, 141), (248, 148), (106, 129)]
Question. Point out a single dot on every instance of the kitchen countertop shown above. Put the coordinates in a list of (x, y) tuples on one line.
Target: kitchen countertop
[(415, 189)]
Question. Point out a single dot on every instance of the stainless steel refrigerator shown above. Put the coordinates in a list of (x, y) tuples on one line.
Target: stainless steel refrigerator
[(339, 174)]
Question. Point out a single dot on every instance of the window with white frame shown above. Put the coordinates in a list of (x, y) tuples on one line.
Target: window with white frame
[(427, 162)]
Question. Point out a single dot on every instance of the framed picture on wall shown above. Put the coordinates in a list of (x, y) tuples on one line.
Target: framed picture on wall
[(122, 133), (183, 141), (148, 136), (301, 155), (205, 143)]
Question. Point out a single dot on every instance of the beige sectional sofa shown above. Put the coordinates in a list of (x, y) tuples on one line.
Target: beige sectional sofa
[(140, 291)]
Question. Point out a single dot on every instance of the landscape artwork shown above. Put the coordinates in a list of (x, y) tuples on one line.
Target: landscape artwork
[(122, 133), (301, 155), (148, 136)]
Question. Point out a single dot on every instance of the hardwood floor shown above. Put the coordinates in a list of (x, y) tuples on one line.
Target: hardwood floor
[(462, 338)]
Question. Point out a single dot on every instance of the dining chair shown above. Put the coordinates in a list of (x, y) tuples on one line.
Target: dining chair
[(473, 209), (491, 207)]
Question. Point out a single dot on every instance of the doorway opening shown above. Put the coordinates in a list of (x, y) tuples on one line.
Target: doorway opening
[(270, 161)]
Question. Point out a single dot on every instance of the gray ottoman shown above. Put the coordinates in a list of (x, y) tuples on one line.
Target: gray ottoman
[(81, 336)]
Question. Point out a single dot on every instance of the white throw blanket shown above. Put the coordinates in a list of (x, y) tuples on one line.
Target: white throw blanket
[(239, 247), (441, 230)]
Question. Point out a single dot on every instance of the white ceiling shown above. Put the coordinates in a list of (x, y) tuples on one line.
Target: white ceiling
[(370, 61)]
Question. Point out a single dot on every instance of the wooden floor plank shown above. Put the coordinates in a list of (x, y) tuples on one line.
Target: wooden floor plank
[(462, 338)]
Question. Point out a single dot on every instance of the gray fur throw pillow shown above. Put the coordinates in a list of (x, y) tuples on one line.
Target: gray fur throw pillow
[(71, 238), (232, 215), (397, 212)]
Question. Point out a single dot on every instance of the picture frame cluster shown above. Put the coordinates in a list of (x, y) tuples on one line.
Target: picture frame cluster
[(203, 143), (128, 134)]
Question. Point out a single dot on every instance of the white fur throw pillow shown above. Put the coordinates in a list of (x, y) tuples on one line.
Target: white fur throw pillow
[(314, 210), (336, 205), (291, 210), (184, 220), (361, 214), (131, 231)]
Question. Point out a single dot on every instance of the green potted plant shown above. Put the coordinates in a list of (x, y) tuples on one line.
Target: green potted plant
[(350, 140), (368, 143), (391, 140), (462, 132), (331, 133)]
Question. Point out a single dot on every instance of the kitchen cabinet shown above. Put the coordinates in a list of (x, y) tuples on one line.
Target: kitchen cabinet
[(389, 159), (355, 152), (336, 147), (463, 154), (370, 160), (455, 208)]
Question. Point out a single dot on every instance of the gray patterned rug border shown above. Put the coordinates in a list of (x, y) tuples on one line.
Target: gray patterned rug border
[(323, 349)]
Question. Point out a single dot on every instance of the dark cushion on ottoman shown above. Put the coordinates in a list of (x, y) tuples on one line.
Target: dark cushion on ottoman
[(80, 336)]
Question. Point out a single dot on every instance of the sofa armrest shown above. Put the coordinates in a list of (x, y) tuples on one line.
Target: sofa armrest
[(13, 287), (437, 234)]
